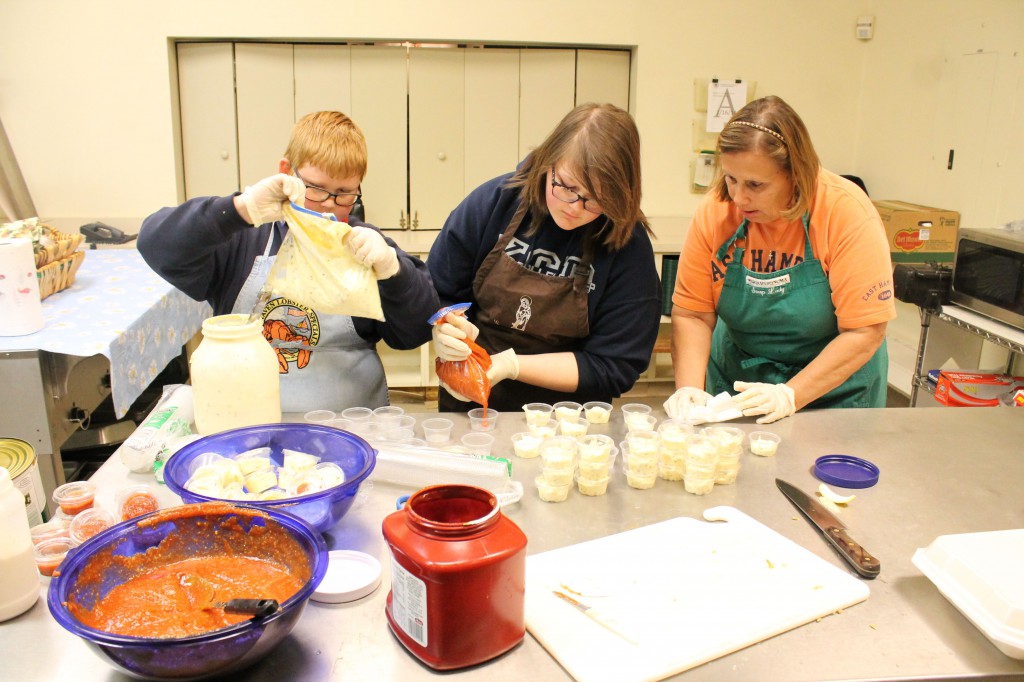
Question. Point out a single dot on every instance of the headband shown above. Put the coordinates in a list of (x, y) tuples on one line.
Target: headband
[(771, 132)]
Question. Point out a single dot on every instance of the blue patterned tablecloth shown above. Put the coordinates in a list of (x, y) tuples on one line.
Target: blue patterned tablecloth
[(119, 308)]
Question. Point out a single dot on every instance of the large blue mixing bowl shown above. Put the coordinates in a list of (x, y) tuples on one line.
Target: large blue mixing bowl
[(321, 510), (93, 569)]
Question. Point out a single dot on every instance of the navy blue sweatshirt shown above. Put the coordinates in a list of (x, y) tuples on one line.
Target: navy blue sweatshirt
[(625, 293)]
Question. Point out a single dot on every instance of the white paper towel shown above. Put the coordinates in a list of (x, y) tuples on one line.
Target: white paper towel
[(21, 311)]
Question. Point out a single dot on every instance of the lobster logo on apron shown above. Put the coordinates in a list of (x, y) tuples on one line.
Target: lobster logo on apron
[(293, 330)]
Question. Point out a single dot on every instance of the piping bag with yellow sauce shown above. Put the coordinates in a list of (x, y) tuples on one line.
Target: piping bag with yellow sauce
[(315, 268)]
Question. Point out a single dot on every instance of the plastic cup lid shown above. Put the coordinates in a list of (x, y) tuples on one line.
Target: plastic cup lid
[(846, 471), (350, 576)]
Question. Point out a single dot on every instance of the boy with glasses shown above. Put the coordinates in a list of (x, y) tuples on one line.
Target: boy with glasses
[(220, 249)]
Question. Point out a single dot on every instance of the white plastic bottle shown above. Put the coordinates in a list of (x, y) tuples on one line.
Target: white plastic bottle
[(169, 421), (235, 380), (19, 578)]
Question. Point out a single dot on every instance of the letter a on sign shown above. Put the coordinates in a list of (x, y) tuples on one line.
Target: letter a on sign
[(725, 98)]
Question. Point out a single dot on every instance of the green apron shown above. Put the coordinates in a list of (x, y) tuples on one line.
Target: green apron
[(772, 325)]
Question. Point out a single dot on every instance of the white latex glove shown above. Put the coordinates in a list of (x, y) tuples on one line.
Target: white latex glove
[(449, 335), (680, 403), (504, 365), (371, 249), (457, 396), (264, 200), (774, 401)]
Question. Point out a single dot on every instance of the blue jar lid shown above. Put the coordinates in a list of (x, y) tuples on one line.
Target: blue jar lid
[(846, 471)]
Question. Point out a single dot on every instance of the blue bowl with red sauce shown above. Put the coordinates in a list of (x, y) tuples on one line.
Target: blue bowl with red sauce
[(92, 570), (323, 509)]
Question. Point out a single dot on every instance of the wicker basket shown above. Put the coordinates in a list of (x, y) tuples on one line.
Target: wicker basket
[(59, 275), (58, 246)]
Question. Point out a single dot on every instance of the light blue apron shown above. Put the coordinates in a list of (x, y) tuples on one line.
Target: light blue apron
[(324, 363)]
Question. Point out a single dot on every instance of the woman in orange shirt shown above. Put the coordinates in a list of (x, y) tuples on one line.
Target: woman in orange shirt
[(784, 286)]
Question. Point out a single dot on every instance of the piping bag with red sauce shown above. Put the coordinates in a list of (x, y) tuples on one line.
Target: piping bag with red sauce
[(466, 377)]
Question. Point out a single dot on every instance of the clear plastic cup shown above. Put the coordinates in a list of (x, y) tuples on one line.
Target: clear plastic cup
[(319, 416), (597, 412), (595, 447), (526, 445), (630, 409), (641, 480), (550, 492), (729, 439), (478, 442), (764, 443), (388, 414), (75, 497), (483, 420), (643, 443), (400, 429), (558, 452), (545, 429), (256, 459), (558, 476), (592, 486), (340, 423), (575, 428), (437, 430), (358, 414), (89, 523), (641, 422), (537, 413), (261, 481), (135, 500), (54, 528), (698, 486), (567, 409), (50, 553)]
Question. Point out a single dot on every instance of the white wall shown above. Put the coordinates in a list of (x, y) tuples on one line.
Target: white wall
[(86, 85)]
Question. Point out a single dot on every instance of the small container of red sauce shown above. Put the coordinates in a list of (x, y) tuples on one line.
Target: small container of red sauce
[(88, 523), (75, 497), (135, 501), (50, 553), (458, 578)]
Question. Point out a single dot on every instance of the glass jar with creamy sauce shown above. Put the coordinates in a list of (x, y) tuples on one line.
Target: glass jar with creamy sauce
[(235, 379)]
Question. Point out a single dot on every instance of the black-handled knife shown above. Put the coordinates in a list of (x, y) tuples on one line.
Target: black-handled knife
[(833, 529)]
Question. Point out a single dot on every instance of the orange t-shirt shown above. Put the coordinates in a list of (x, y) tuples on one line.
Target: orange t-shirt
[(847, 236)]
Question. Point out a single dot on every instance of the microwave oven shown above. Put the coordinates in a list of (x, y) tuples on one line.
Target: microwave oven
[(988, 272)]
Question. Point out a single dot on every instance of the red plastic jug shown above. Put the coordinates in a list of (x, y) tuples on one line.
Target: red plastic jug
[(458, 577)]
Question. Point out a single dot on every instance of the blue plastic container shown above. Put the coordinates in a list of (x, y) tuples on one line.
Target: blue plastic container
[(321, 510), (196, 657)]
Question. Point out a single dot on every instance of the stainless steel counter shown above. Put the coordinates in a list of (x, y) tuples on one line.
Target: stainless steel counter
[(942, 472)]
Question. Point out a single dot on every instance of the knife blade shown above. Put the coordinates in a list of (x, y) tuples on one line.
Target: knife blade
[(592, 614), (834, 530)]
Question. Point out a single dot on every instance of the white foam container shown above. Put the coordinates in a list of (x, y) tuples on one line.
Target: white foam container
[(980, 574)]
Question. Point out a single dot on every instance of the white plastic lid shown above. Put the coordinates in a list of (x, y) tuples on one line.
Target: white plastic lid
[(350, 576)]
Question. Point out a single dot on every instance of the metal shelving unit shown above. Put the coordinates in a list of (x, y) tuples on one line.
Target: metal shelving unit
[(997, 333)]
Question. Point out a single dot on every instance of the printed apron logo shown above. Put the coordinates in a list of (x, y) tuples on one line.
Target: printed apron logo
[(768, 287), (524, 313), (293, 330)]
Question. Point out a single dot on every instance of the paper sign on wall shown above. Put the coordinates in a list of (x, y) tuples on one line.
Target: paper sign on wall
[(725, 98)]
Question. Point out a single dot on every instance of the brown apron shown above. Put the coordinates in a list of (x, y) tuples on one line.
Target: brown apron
[(530, 312)]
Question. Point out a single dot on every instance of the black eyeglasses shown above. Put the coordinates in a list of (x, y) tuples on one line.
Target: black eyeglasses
[(571, 196), (320, 195)]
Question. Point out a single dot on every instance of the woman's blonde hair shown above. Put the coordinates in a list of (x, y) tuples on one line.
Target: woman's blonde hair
[(329, 140), (771, 127), (599, 145)]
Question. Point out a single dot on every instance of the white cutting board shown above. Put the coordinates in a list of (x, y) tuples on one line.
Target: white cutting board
[(685, 591)]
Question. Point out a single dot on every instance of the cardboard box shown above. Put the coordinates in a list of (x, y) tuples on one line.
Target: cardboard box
[(978, 389), (919, 234)]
